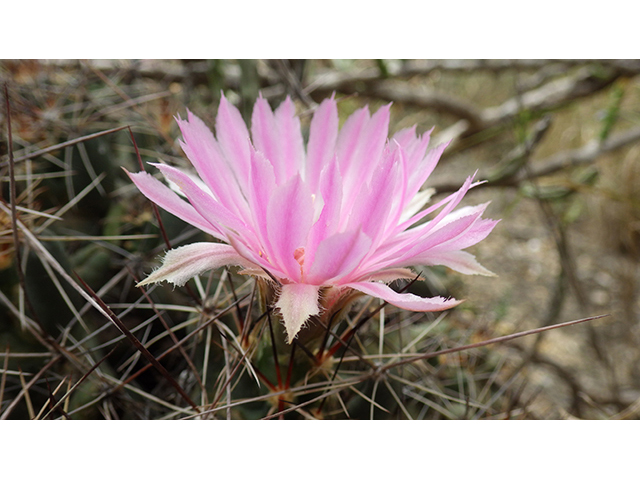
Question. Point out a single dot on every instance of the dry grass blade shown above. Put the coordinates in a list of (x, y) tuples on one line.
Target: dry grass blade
[(504, 338), (122, 327), (173, 347), (175, 340), (13, 203), (45, 256), (62, 145), (26, 387), (67, 395), (52, 400), (94, 183), (154, 207), (3, 381), (27, 396)]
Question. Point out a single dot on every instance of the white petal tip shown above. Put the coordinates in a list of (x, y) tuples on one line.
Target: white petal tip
[(297, 302)]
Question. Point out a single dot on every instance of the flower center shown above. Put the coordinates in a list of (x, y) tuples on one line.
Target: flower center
[(298, 254)]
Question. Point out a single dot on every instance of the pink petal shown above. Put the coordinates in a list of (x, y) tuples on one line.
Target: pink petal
[(167, 199), (459, 261), (290, 138), (414, 146), (382, 207), (233, 138), (205, 204), (297, 302), (375, 136), (406, 136), (401, 245), (329, 220), (349, 141), (262, 187), (415, 204), (205, 155), (449, 203), (476, 233), (289, 218), (423, 168), (182, 263), (257, 256), (388, 275), (264, 132), (337, 256), (323, 133), (360, 156), (407, 301), (443, 234)]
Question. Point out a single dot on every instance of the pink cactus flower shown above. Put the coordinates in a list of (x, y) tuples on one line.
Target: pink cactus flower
[(342, 213)]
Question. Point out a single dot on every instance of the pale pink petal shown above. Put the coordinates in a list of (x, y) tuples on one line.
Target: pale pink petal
[(447, 231), (257, 256), (164, 197), (329, 219), (290, 138), (375, 136), (405, 137), (372, 144), (414, 146), (407, 301), (337, 256), (416, 203), (460, 261), (182, 263), (423, 168), (360, 155), (437, 239), (383, 206), (480, 229), (397, 246), (207, 206), (262, 188), (233, 138), (388, 275), (297, 302), (323, 133), (448, 204), (348, 142), (264, 133), (289, 218), (205, 155), (443, 245)]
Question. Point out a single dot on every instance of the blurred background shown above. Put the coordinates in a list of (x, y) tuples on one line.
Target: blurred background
[(557, 141)]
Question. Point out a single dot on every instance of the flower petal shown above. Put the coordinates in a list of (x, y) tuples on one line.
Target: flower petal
[(323, 133), (297, 302), (447, 232), (233, 138), (329, 220), (389, 275), (359, 155), (264, 133), (460, 261), (289, 218), (203, 202), (205, 155), (159, 193), (407, 301), (289, 138), (337, 256), (262, 186), (182, 263), (382, 200)]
